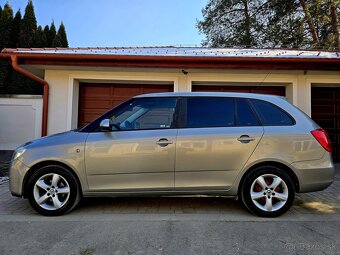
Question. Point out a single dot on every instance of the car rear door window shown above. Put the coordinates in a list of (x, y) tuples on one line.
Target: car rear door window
[(245, 114), (271, 115), (203, 112)]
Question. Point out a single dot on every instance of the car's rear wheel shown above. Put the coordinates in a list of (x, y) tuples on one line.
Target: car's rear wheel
[(268, 191), (53, 190)]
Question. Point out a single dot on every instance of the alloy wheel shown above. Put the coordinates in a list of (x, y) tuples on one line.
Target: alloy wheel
[(269, 192), (51, 191)]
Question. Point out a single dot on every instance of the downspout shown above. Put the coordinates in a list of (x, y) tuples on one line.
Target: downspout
[(17, 68)]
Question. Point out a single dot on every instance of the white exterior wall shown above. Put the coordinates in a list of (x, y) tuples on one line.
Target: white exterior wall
[(57, 104), (64, 86), (20, 120)]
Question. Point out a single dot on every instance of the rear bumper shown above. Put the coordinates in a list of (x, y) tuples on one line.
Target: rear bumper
[(314, 175)]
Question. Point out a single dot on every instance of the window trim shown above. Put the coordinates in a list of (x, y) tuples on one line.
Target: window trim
[(180, 114)]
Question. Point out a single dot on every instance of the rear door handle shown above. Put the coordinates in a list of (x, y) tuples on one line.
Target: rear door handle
[(245, 139), (163, 142)]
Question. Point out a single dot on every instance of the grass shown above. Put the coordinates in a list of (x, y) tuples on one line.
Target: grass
[(87, 251)]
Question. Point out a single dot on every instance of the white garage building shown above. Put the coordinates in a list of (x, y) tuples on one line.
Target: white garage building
[(81, 83)]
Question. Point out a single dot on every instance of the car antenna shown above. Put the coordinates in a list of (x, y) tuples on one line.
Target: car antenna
[(264, 79)]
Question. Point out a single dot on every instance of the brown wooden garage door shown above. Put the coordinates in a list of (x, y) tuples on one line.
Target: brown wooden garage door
[(274, 90), (97, 98), (326, 112)]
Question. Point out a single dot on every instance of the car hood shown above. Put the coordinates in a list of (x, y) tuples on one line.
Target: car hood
[(67, 137)]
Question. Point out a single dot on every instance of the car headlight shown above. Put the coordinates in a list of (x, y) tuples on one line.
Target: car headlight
[(18, 153)]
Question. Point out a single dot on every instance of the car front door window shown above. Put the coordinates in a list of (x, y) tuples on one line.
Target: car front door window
[(143, 114)]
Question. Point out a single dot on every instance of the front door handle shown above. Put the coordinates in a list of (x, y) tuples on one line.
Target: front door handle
[(163, 142), (245, 139)]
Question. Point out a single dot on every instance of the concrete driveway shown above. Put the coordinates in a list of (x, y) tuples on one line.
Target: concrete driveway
[(172, 225)]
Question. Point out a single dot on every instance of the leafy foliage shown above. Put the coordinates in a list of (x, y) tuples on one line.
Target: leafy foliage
[(16, 25), (271, 23), (24, 32), (28, 27), (6, 21), (62, 35), (60, 39), (51, 35), (40, 38)]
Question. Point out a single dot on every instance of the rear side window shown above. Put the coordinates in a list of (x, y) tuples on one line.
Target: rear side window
[(210, 112), (271, 115), (245, 114)]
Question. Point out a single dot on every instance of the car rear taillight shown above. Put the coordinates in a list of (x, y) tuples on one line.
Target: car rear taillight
[(322, 137)]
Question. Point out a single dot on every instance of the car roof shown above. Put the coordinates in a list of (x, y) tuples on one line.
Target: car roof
[(210, 94)]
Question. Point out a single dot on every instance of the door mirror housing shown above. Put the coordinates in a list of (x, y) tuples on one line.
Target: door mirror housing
[(105, 125)]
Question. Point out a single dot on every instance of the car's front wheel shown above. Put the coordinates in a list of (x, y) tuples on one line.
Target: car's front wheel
[(53, 190), (268, 191)]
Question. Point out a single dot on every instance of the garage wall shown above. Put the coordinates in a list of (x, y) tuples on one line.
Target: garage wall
[(97, 98), (64, 91), (64, 86), (58, 101), (271, 90), (20, 120)]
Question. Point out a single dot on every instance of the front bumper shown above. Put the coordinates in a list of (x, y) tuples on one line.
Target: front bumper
[(17, 174), (315, 175)]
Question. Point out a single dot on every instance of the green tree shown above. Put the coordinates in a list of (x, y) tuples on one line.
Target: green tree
[(60, 40), (56, 41), (28, 27), (6, 19), (23, 32), (51, 34), (323, 22), (62, 35), (46, 33), (10, 81), (282, 27), (231, 22), (20, 84), (271, 23), (40, 40), (13, 43)]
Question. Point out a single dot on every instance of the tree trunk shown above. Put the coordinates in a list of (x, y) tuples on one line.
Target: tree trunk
[(248, 39), (310, 23), (335, 27)]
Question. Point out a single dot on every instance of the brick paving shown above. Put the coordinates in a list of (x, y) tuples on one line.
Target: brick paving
[(323, 203)]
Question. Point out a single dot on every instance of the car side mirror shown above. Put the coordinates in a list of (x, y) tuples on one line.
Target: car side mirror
[(105, 125)]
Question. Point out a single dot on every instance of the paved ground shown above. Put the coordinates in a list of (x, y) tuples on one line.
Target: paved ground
[(172, 225)]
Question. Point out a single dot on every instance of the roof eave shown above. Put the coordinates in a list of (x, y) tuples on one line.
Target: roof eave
[(176, 61)]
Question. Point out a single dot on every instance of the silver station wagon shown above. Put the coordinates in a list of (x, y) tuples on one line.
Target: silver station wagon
[(259, 148)]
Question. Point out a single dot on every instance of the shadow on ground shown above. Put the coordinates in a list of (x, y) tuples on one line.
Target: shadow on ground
[(180, 204)]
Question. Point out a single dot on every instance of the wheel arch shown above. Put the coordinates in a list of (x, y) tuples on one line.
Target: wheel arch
[(41, 164), (280, 165)]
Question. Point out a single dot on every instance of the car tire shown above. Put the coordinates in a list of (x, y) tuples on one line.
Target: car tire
[(53, 190), (267, 191)]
